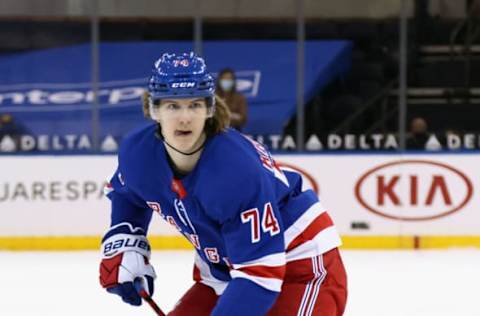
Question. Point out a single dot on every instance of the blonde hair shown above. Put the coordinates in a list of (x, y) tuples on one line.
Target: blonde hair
[(218, 123)]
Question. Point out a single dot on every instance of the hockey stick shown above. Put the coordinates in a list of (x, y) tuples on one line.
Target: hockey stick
[(146, 297)]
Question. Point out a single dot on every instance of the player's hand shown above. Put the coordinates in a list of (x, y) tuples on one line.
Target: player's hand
[(118, 273)]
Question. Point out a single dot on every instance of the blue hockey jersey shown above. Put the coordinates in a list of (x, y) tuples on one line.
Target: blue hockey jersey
[(245, 216)]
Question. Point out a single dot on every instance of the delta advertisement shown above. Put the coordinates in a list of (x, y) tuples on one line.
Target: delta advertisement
[(367, 195)]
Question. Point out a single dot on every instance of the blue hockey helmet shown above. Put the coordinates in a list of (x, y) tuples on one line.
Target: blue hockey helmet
[(181, 76)]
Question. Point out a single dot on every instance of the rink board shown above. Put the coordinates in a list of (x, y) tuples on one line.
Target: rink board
[(377, 201)]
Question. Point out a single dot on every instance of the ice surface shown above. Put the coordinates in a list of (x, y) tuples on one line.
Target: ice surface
[(383, 283)]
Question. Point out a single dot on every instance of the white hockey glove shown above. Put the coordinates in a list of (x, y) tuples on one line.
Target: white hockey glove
[(125, 259)]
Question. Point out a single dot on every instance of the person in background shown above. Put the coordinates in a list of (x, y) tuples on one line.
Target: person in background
[(10, 127), (7, 126), (236, 102), (418, 134)]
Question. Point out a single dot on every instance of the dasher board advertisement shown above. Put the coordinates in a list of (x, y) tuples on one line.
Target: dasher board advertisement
[(366, 194)]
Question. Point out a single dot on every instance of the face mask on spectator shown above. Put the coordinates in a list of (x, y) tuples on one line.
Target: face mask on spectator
[(226, 84)]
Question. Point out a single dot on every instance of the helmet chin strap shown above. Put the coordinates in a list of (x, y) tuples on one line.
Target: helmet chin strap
[(182, 152), (159, 134)]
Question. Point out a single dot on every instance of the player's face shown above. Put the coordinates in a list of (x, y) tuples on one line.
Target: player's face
[(182, 121)]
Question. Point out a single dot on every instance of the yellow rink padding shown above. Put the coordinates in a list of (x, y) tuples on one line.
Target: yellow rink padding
[(82, 243), (378, 242), (409, 242), (24, 243)]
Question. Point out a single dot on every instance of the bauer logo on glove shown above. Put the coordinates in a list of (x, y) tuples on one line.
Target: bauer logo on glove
[(111, 248)]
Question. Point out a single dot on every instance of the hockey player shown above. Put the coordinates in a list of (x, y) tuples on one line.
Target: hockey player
[(263, 245)]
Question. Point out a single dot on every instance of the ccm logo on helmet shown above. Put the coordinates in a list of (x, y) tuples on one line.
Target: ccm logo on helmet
[(413, 190), (183, 85)]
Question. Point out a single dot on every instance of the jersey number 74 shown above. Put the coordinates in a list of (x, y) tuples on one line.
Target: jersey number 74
[(269, 223)]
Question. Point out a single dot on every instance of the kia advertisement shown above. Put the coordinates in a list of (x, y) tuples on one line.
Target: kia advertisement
[(413, 190)]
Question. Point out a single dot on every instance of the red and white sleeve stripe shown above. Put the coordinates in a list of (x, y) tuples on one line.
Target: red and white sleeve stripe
[(312, 234), (267, 271)]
